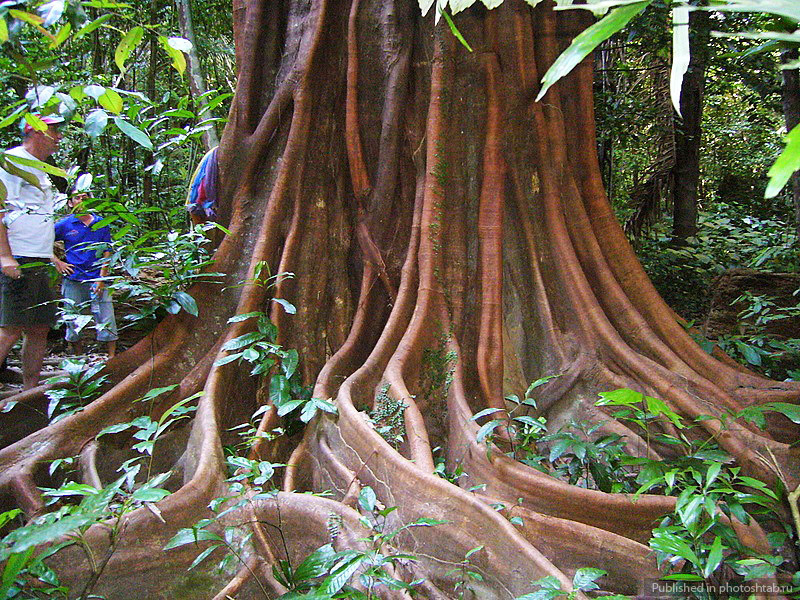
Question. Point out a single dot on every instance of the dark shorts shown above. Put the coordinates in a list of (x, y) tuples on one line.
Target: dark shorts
[(28, 300)]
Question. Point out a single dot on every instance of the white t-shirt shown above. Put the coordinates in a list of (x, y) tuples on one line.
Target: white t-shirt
[(29, 210)]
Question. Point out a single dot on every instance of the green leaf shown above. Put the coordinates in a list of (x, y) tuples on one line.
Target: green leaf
[(588, 40), (337, 580), (203, 555), (191, 536), (673, 545), (585, 578), (129, 41), (96, 122), (111, 101), (289, 363), (714, 558), (680, 53), (90, 27), (37, 164), (61, 36), (454, 30), (790, 411), (178, 59), (367, 499), (3, 30), (657, 407), (486, 430), (136, 134), (287, 306), (787, 163), (279, 390), (315, 564), (621, 397), (150, 494), (187, 302)]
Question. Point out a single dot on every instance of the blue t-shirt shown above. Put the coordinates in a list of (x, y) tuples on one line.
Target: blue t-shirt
[(84, 246)]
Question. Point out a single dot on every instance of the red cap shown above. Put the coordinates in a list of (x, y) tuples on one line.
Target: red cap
[(48, 120)]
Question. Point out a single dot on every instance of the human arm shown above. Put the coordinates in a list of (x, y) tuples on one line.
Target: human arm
[(98, 286), (64, 268), (9, 264)]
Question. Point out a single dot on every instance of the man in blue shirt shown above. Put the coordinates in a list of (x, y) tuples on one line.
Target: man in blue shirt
[(84, 244)]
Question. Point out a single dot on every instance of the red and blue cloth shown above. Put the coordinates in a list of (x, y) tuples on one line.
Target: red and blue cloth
[(202, 198)]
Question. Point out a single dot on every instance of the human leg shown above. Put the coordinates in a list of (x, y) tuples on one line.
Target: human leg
[(78, 295), (103, 312), (34, 347)]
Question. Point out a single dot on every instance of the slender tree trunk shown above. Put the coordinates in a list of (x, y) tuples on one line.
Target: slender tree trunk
[(688, 132), (150, 89), (197, 79), (791, 111)]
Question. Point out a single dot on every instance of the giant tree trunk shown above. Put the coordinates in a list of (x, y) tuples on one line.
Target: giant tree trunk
[(451, 240)]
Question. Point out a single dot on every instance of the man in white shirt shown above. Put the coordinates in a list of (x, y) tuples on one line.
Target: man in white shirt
[(26, 237)]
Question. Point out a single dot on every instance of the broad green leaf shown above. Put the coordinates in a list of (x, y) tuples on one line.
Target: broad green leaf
[(37, 164), (27, 17), (187, 302), (178, 59), (48, 532), (316, 564), (150, 494), (279, 390), (714, 558), (90, 27), (588, 40), (96, 122), (490, 4), (129, 41), (133, 132), (680, 53), (289, 363), (111, 101), (585, 578), (367, 499), (337, 580), (788, 162), (287, 306), (3, 30), (673, 545), (621, 397), (790, 411), (191, 536), (487, 429), (657, 406), (203, 555), (61, 36)]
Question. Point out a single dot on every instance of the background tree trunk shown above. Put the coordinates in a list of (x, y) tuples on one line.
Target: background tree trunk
[(197, 79), (790, 90), (451, 242), (688, 130)]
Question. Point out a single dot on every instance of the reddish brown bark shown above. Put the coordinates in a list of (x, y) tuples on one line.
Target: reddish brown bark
[(428, 209)]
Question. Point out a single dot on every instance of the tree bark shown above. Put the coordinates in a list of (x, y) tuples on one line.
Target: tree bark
[(688, 131), (451, 242), (790, 90), (197, 79)]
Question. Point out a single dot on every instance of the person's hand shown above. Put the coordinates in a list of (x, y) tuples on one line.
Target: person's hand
[(62, 267), (98, 287), (10, 267)]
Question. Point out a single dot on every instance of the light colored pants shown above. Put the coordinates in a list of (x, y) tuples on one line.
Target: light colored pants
[(80, 292)]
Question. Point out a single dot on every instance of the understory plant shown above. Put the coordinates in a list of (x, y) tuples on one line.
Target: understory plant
[(697, 542)]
